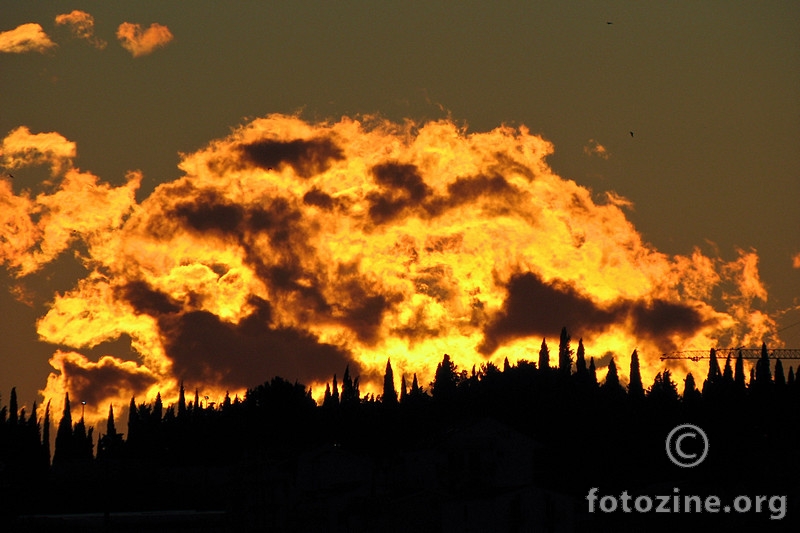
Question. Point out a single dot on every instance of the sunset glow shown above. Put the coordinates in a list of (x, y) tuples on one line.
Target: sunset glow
[(293, 248)]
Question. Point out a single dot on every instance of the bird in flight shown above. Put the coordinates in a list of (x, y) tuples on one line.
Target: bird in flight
[(609, 23), (631, 133)]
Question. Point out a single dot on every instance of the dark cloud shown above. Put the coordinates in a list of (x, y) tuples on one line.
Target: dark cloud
[(205, 349), (318, 198), (146, 300), (403, 187), (307, 157), (102, 382), (364, 312), (281, 220), (658, 320), (534, 307), (465, 190), (208, 212)]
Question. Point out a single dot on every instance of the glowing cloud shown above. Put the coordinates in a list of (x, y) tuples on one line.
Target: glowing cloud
[(291, 248), (34, 231), (22, 148), (81, 24), (796, 261), (143, 42), (596, 149), (25, 38)]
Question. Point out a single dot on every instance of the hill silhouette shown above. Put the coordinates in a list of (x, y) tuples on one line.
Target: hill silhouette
[(516, 448)]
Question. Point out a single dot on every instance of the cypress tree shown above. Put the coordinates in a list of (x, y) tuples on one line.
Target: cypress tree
[(612, 378), (196, 401), (664, 390), (780, 378), (182, 402), (635, 387), (564, 353), (727, 373), (350, 393), (403, 388), (13, 408), (133, 422), (111, 428), (326, 399), (83, 442), (65, 447), (690, 392), (46, 435), (416, 392), (335, 393), (580, 361), (790, 378), (592, 373), (389, 393), (713, 367), (763, 375), (445, 379), (158, 409), (544, 356), (738, 375)]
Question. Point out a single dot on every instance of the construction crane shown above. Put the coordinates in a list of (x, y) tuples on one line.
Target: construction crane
[(722, 353)]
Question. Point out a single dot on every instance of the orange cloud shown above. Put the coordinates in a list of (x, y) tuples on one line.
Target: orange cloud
[(796, 261), (34, 231), (292, 248), (595, 148), (22, 148), (25, 38), (81, 24), (109, 380), (143, 42)]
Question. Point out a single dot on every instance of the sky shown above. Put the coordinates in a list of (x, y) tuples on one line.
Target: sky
[(221, 192)]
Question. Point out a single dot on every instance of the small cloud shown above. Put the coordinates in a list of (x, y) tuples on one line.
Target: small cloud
[(142, 42), (25, 38), (595, 148), (22, 148), (81, 24), (796, 261), (618, 200)]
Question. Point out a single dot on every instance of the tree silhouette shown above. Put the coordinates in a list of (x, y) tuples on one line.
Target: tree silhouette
[(182, 402), (763, 373), (335, 392), (727, 373), (592, 373), (635, 387), (714, 377), (738, 375), (611, 383), (445, 380), (46, 435), (350, 394), (544, 357), (389, 397), (664, 390), (403, 388), (780, 377), (690, 393), (13, 408), (564, 353), (580, 359), (65, 447)]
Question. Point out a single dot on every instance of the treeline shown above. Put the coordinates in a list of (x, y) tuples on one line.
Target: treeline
[(187, 455)]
